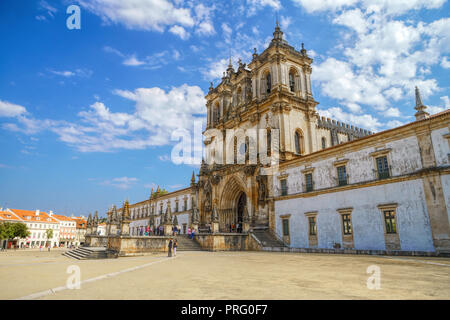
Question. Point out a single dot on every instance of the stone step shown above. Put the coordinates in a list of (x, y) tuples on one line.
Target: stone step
[(84, 253), (267, 238)]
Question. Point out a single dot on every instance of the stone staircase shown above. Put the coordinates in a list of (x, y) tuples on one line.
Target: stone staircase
[(186, 244), (85, 253), (267, 239)]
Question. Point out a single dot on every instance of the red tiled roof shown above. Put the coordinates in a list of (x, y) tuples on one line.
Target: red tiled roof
[(28, 215), (8, 216)]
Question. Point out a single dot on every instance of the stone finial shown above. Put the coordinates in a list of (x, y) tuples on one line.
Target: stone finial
[(175, 221), (95, 220), (211, 87), (89, 220), (277, 34), (193, 177), (303, 51), (126, 211), (420, 107), (168, 215)]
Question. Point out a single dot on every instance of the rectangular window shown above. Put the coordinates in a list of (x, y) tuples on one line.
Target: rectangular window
[(342, 175), (382, 167), (285, 227), (312, 226), (309, 182), (347, 224), (176, 206), (284, 190), (389, 219), (185, 204)]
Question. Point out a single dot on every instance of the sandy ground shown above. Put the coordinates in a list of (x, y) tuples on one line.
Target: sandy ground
[(223, 275)]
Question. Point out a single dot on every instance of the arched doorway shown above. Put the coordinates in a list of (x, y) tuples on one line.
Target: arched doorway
[(240, 207)]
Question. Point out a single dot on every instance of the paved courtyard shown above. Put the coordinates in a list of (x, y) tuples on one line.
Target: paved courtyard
[(223, 275)]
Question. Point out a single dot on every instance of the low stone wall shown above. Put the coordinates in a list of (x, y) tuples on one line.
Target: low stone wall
[(95, 241), (223, 241), (137, 245)]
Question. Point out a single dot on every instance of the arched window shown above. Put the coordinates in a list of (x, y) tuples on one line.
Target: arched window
[(324, 143), (217, 112), (268, 82), (269, 141), (292, 81), (239, 96), (299, 142)]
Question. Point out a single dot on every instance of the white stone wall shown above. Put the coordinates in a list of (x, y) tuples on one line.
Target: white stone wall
[(412, 217), (440, 146), (445, 179), (404, 158)]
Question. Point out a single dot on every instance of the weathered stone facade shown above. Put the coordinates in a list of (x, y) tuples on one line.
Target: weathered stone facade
[(336, 187)]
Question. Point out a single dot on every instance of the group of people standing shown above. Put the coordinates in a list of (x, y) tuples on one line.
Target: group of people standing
[(173, 244)]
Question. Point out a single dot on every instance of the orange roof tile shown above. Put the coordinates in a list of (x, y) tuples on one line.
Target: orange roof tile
[(61, 217), (28, 215), (81, 223), (8, 216)]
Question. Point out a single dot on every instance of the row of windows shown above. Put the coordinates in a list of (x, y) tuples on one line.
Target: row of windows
[(389, 217), (144, 212), (382, 171), (45, 226)]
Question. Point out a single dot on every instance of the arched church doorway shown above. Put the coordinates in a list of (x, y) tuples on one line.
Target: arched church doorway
[(240, 207)]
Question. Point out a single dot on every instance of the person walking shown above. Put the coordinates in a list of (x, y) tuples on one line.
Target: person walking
[(189, 233), (170, 248), (175, 245)]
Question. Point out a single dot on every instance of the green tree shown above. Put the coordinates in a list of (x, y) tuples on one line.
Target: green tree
[(49, 233), (9, 230), (6, 231), (20, 230)]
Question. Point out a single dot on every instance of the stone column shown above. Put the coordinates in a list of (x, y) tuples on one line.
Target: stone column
[(168, 221), (125, 221)]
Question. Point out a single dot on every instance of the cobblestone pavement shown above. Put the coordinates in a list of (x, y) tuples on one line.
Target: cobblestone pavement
[(223, 275)]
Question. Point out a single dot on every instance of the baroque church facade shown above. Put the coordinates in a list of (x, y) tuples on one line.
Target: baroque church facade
[(332, 186)]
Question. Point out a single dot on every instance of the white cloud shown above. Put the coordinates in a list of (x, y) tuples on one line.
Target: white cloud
[(392, 7), (133, 61), (77, 72), (324, 5), (157, 114), (140, 14), (43, 5), (154, 61), (392, 113), (120, 183), (204, 16), (365, 121), (446, 102), (8, 109), (385, 57), (285, 22), (164, 157), (227, 31), (255, 5), (445, 63), (179, 31), (437, 109)]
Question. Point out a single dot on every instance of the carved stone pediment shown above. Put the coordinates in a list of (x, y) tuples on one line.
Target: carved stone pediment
[(215, 179), (250, 169), (254, 118)]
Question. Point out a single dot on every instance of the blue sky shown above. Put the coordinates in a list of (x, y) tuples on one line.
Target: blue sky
[(87, 115)]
